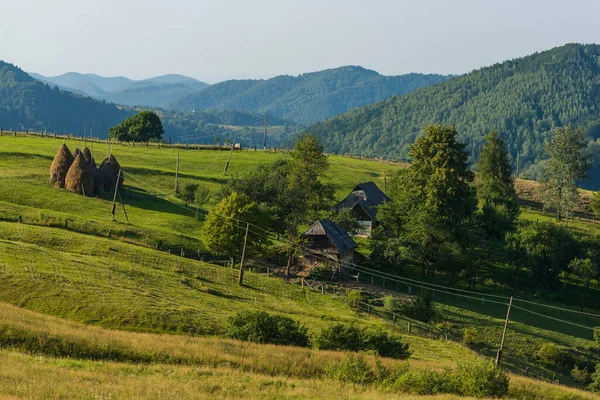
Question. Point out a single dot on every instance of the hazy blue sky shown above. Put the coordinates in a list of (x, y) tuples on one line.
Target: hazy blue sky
[(217, 40)]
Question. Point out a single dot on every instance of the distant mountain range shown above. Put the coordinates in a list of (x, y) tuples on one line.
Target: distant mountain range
[(524, 99), (306, 98), (31, 104), (27, 104), (152, 92)]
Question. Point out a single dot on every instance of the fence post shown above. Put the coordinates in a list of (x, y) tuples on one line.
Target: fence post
[(302, 281), (369, 310), (409, 326), (394, 319), (322, 289)]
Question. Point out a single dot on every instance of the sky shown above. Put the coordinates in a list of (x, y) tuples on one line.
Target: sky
[(234, 39)]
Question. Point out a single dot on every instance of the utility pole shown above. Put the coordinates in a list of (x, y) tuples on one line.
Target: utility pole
[(229, 158), (177, 175), (287, 268), (385, 181), (499, 355), (123, 205), (114, 203), (265, 136), (241, 277)]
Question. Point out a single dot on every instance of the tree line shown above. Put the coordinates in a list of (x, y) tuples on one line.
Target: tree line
[(443, 216)]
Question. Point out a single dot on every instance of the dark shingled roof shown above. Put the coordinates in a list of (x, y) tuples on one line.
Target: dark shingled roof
[(340, 239), (373, 197)]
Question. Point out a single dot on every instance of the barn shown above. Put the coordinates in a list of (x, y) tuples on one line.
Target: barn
[(363, 201), (328, 241)]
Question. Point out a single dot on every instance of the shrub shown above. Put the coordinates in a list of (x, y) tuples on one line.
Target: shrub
[(261, 327), (548, 354), (353, 368), (354, 298), (384, 344), (350, 338), (421, 309), (595, 385), (470, 336), (339, 337), (425, 382), (188, 193), (391, 304), (480, 378), (580, 375), (597, 335), (551, 355)]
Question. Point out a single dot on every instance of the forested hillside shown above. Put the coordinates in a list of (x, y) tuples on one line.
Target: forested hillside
[(523, 99), (306, 98), (26, 103)]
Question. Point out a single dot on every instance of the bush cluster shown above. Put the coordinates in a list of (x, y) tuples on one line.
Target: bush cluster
[(552, 356), (350, 338), (421, 309), (477, 378), (261, 327)]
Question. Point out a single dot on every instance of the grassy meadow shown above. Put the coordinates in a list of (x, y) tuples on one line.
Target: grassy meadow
[(96, 362), (126, 317)]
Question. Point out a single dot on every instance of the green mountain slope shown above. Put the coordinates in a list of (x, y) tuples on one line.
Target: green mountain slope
[(26, 103), (306, 98), (523, 98)]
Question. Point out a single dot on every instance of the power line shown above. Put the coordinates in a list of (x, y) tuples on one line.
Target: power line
[(380, 274), (553, 318)]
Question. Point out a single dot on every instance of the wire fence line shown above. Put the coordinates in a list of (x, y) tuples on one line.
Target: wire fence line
[(179, 145)]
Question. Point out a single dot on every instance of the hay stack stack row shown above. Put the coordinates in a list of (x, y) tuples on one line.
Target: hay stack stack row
[(77, 172)]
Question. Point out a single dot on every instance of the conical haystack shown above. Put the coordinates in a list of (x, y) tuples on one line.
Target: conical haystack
[(114, 164), (75, 153), (61, 164), (105, 178), (87, 154), (79, 178), (92, 164)]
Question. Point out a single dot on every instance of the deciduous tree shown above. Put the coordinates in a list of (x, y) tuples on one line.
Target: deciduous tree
[(141, 127), (224, 229)]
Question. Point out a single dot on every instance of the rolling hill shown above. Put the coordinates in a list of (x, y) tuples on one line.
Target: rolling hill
[(29, 104), (523, 99), (153, 92), (26, 103), (95, 301), (309, 97)]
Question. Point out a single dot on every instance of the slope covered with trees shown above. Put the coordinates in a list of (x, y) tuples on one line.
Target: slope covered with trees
[(306, 98), (26, 103), (524, 99)]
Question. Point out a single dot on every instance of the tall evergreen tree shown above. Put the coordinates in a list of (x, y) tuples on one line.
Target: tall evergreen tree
[(433, 205), (495, 186), (568, 163)]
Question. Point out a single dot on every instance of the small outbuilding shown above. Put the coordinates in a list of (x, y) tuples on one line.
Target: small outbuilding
[(328, 241), (363, 201)]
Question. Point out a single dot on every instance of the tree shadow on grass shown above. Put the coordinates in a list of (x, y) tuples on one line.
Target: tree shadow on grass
[(140, 173), (28, 156)]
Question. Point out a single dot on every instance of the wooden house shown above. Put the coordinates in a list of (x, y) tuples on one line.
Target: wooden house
[(328, 241), (363, 201)]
